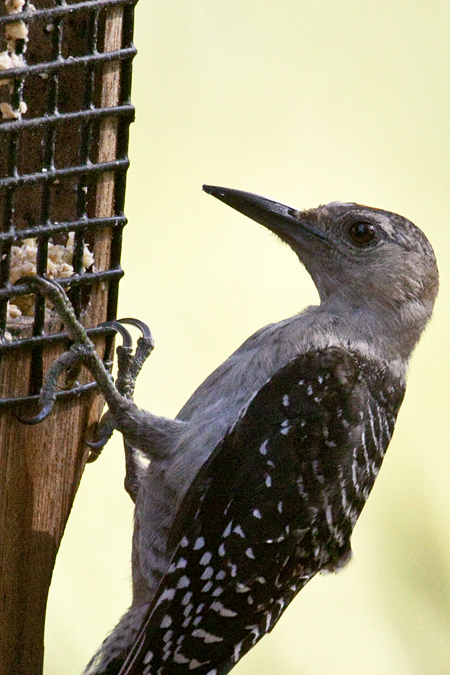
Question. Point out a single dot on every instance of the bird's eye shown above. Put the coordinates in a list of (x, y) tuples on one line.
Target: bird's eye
[(361, 232)]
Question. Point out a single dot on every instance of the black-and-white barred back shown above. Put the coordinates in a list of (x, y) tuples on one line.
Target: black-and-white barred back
[(275, 504)]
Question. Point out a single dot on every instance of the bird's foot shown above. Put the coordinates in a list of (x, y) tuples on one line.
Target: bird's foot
[(83, 352), (129, 366)]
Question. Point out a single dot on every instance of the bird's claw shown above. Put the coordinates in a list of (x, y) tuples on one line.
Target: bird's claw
[(47, 397), (40, 417), (129, 366), (119, 328), (145, 330), (104, 431)]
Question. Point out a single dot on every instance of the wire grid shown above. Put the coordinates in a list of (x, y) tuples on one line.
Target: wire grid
[(51, 162)]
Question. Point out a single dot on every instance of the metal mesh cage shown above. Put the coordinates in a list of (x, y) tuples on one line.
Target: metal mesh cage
[(65, 80)]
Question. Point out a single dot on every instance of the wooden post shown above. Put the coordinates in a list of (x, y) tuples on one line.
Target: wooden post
[(41, 466), (40, 469)]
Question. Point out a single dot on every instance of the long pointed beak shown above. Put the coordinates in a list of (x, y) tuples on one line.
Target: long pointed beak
[(288, 223)]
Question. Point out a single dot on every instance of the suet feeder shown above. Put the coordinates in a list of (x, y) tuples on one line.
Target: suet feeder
[(65, 111)]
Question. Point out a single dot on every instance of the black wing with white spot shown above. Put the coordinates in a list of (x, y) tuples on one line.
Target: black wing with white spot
[(275, 504)]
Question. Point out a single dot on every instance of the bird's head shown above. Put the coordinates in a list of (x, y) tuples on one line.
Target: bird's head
[(370, 266)]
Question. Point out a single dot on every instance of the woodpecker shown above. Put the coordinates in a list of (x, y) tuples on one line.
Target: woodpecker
[(258, 482)]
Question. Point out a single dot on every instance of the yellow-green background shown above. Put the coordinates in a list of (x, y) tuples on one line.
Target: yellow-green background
[(305, 102)]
